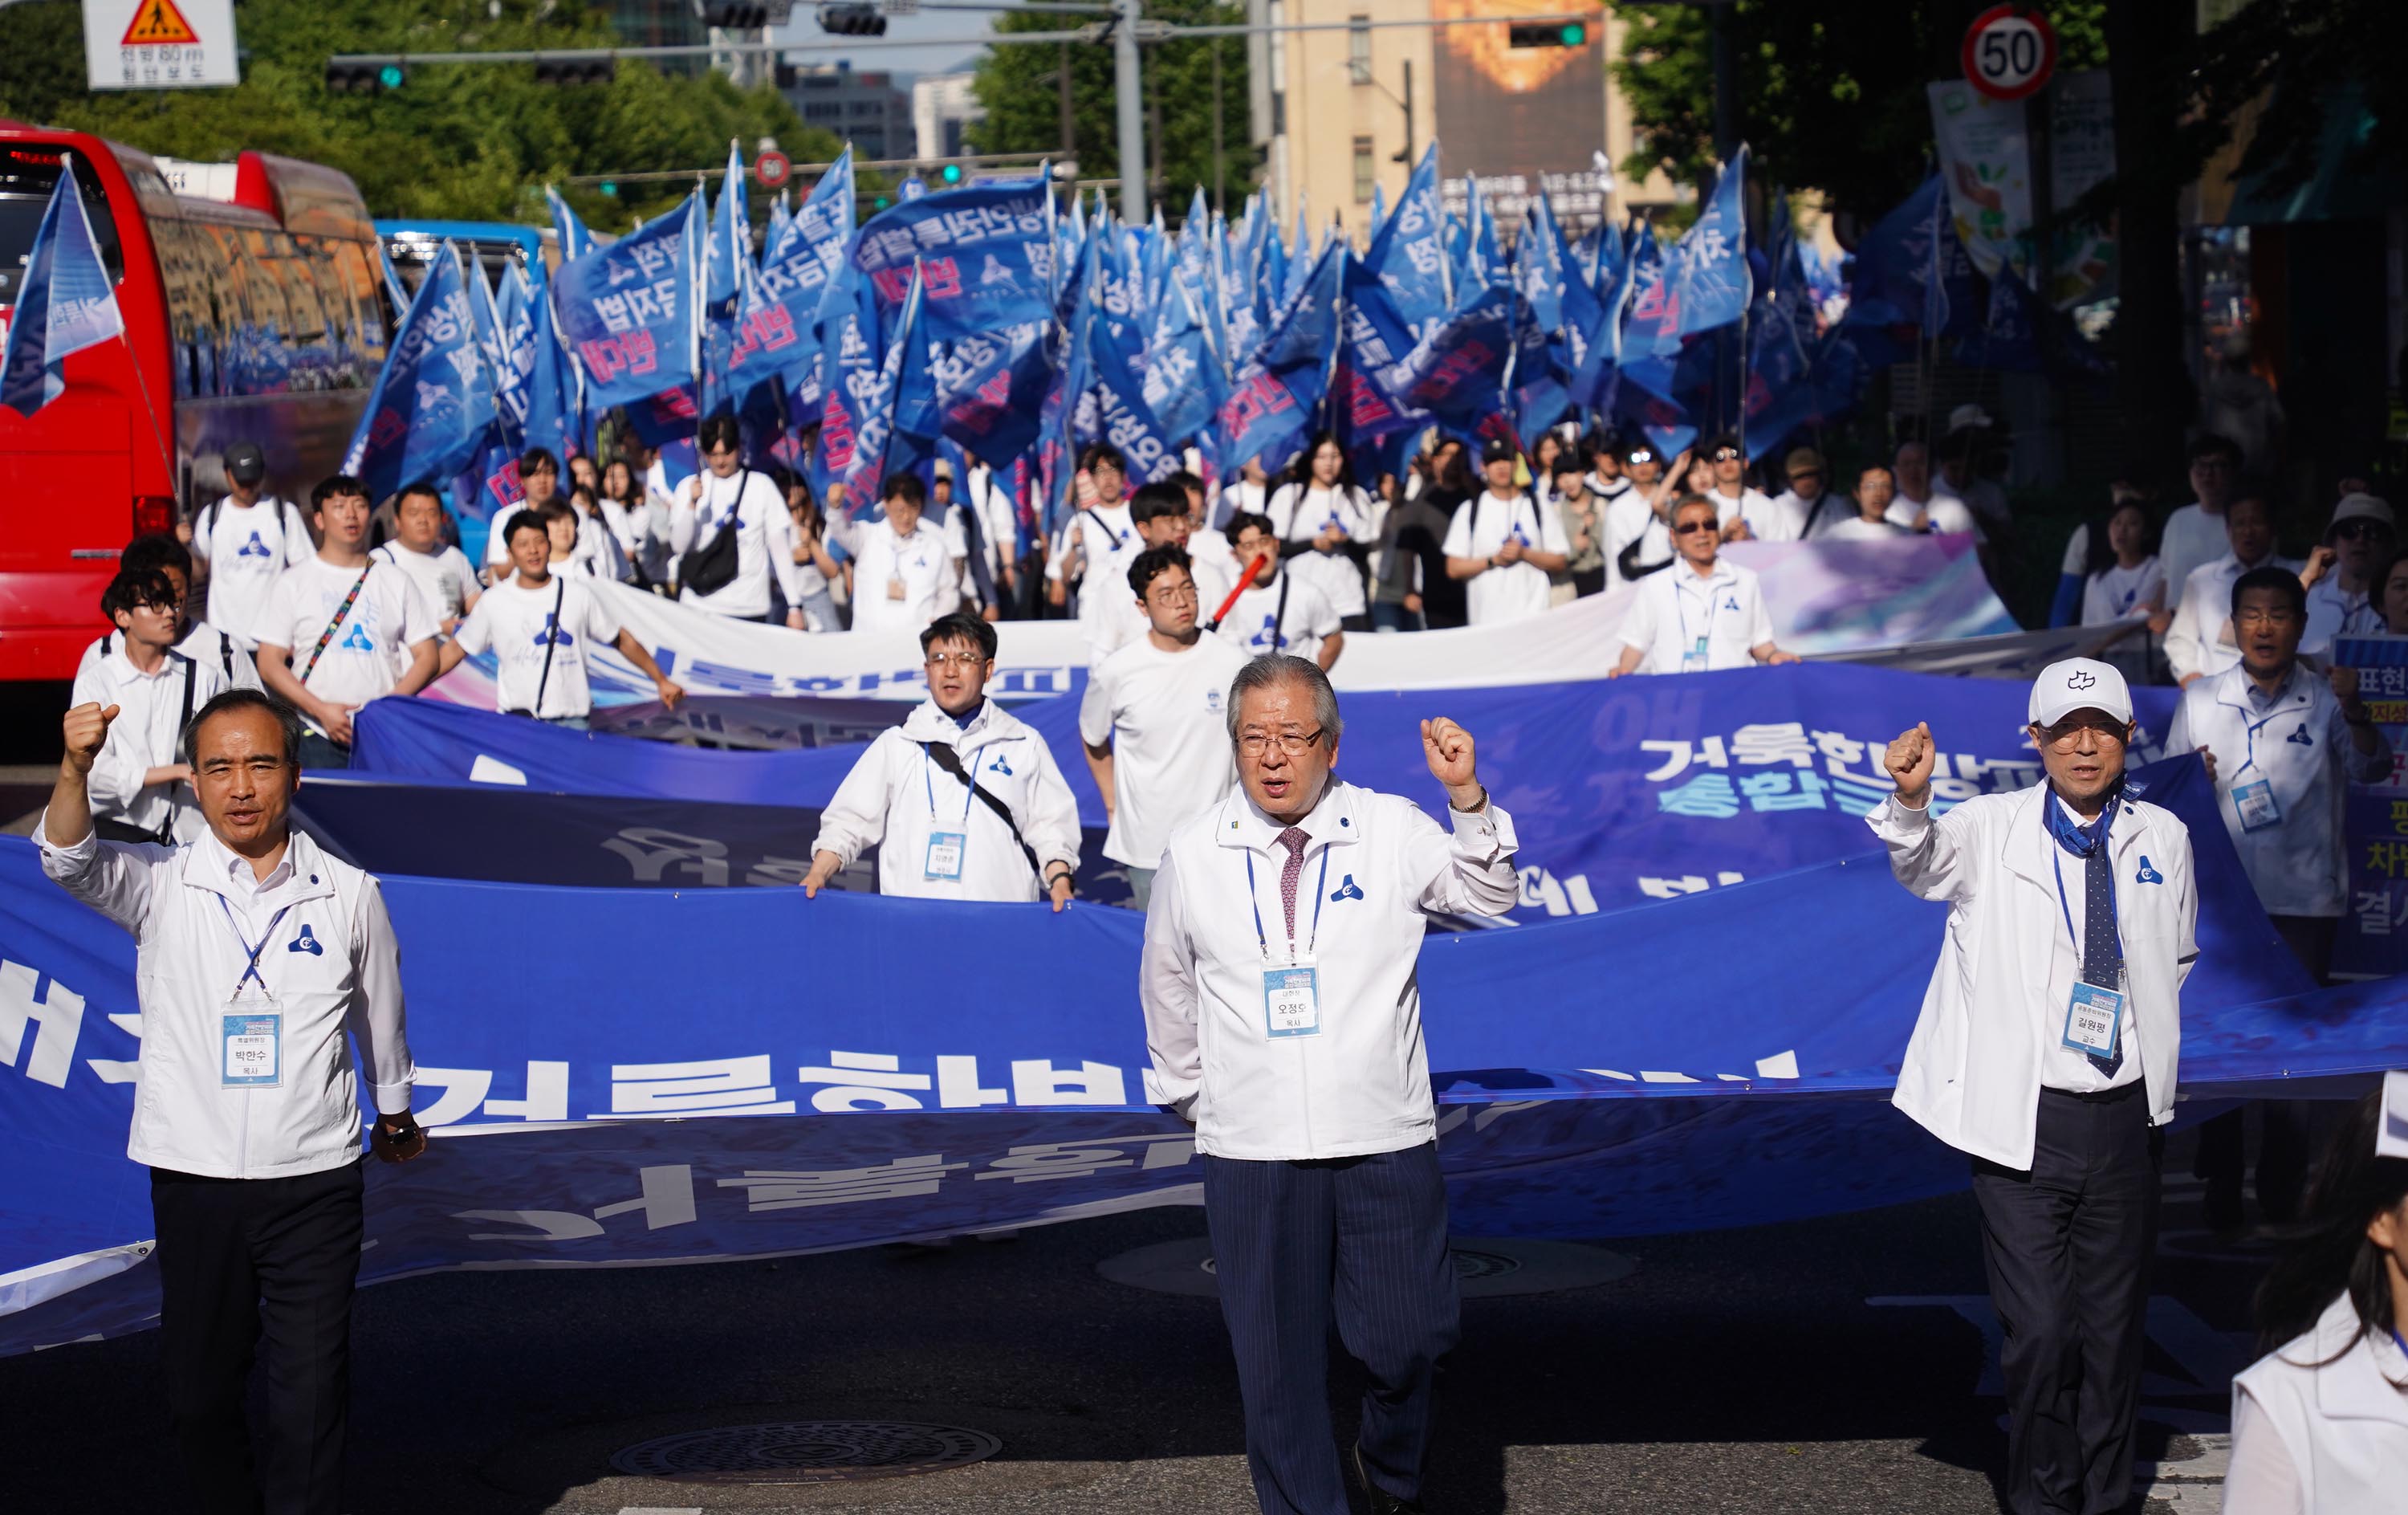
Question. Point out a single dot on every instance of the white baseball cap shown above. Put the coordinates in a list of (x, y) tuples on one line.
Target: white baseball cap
[(2079, 683)]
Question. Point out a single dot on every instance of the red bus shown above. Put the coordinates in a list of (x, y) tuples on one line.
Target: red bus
[(253, 312)]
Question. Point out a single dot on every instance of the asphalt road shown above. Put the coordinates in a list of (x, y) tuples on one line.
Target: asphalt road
[(1833, 1367)]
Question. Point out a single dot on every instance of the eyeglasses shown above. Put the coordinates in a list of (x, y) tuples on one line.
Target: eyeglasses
[(964, 661), (2068, 732), (1723, 454), (1690, 528), (1172, 595), (1642, 455), (2263, 615), (1294, 744)]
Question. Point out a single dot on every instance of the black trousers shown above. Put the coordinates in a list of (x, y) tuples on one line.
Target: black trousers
[(1362, 1239), (2066, 1248), (242, 1261)]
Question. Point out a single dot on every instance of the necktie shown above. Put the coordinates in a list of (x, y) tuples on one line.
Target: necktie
[(1292, 872), (2099, 959)]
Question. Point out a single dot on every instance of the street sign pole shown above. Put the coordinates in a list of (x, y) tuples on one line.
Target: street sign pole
[(1128, 91)]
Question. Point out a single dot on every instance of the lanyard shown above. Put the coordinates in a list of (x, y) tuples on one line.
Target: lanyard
[(969, 789), (2057, 865), (2249, 735), (1318, 892), (251, 969), (1681, 608)]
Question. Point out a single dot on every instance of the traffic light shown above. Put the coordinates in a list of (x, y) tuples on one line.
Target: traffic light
[(734, 18), (1547, 35), (953, 174), (851, 20), (362, 79), (609, 187), (550, 70)]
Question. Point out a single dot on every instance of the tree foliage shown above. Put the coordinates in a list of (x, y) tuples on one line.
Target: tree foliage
[(474, 141), (1829, 98), (2293, 64), (1020, 87)]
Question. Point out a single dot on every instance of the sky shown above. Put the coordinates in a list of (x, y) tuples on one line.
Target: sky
[(948, 38)]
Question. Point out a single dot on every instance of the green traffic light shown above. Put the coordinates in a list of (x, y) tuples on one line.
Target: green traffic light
[(611, 189), (882, 202), (1575, 35), (389, 76), (952, 173)]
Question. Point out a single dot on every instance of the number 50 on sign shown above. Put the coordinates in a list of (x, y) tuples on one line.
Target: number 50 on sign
[(2009, 51)]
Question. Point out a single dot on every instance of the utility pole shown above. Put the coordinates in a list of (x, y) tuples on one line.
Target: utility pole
[(1129, 96), (1220, 176), (1070, 117)]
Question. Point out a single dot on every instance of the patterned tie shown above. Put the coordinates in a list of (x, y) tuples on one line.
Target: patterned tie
[(2099, 958), (1290, 876)]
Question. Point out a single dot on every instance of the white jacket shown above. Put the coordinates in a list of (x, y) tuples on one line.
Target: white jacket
[(897, 796), (331, 963), (2328, 1439), (1999, 995), (2298, 742), (2200, 639), (1375, 867)]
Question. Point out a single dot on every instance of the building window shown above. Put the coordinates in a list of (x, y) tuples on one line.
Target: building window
[(1363, 170), (1359, 49)]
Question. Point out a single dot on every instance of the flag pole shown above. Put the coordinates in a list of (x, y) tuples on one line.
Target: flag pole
[(142, 386)]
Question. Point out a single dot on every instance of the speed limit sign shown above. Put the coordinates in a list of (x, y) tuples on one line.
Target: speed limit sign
[(772, 170), (2009, 51)]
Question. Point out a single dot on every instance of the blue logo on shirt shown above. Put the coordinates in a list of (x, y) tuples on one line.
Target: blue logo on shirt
[(552, 633), (1730, 603), (1345, 892), (2302, 736), (999, 766), (356, 640), (254, 548), (2147, 874), (307, 942), (1268, 638)]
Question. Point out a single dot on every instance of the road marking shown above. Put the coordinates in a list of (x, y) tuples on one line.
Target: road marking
[(659, 1509)]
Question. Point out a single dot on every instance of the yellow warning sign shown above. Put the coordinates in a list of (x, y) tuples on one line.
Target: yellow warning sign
[(158, 23)]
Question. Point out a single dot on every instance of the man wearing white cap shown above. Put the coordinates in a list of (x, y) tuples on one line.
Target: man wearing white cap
[(2340, 573), (2045, 1051)]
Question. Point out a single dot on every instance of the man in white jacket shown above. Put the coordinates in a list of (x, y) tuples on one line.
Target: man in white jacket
[(957, 797), (2045, 1051), (258, 953), (1283, 1017)]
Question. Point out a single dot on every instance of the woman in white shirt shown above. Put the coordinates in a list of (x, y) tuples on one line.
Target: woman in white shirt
[(640, 527), (2131, 581), (1326, 525), (2320, 1423)]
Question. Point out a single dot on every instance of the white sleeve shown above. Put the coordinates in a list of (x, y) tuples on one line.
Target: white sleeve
[(298, 548), (376, 1015), (1929, 856), (1167, 989), (1096, 708), (278, 621), (113, 878), (1471, 869), (475, 632), (498, 540), (855, 819), (2094, 600), (777, 537), (1051, 823), (1458, 533), (1638, 621), (1760, 617), (1281, 508), (419, 620), (1550, 529), (2077, 551), (203, 524), (2186, 638), (2261, 1479), (681, 517)]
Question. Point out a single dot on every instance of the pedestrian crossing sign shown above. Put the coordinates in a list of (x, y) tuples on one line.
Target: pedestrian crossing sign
[(159, 23)]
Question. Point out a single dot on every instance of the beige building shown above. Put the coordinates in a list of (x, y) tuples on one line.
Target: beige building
[(1330, 108)]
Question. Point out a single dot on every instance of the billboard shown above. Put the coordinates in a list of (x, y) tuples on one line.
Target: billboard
[(1519, 119)]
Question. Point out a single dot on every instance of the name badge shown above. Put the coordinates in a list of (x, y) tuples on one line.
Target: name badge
[(2255, 803), (1292, 1001), (1694, 660), (945, 850), (250, 1041), (2093, 1018), (895, 589)]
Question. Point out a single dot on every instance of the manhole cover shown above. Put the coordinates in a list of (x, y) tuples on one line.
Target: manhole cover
[(1484, 1268), (805, 1451)]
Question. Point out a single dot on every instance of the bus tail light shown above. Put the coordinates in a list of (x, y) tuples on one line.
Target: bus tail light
[(153, 514)]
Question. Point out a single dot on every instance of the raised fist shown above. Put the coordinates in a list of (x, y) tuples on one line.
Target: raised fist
[(1909, 761), (86, 728)]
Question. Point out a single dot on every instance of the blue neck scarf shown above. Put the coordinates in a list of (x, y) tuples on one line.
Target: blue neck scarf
[(2076, 839)]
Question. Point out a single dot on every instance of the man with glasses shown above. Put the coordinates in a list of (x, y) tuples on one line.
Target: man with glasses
[(1151, 719), (729, 506), (2340, 574), (1876, 486), (962, 801), (2045, 1051), (1702, 614), (2199, 641), (1734, 499), (2283, 744), (1282, 1015), (1633, 529), (2194, 535), (1159, 513)]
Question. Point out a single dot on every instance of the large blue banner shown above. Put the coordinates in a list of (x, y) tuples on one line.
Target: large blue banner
[(627, 310)]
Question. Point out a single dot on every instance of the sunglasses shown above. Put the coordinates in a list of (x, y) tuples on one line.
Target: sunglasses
[(1688, 528), (1642, 455), (2358, 530), (1723, 454)]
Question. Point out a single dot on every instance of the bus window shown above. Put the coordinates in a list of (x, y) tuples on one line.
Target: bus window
[(188, 304), (27, 176), (318, 255), (359, 275)]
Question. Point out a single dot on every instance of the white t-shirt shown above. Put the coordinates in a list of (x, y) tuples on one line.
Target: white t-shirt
[(764, 541), (2192, 539), (247, 547), (364, 659), (516, 624), (1109, 539), (1946, 514), (1677, 608), (1299, 513), (1789, 517), (1748, 505), (1244, 496), (1507, 591), (2116, 592), (1983, 496), (922, 563), (1857, 529), (1165, 714), (1303, 624), (443, 576)]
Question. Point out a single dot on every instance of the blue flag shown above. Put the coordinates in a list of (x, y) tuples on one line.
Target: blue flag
[(1407, 255), (64, 303), (552, 419), (984, 252), (503, 348), (433, 405), (731, 234), (1122, 414), (1714, 284), (396, 292), (575, 241), (1184, 383), (627, 311), (1594, 379), (1270, 408), (991, 389)]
